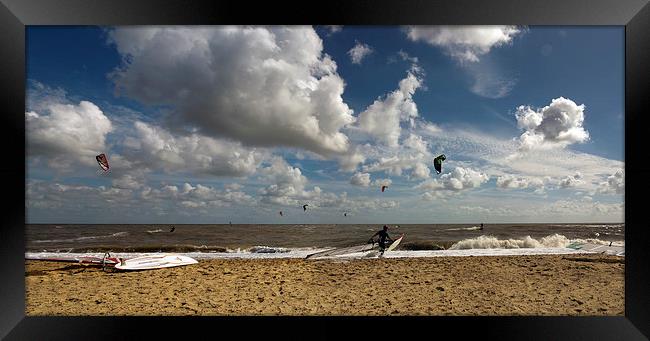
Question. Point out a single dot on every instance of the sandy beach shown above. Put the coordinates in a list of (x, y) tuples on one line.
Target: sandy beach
[(497, 285)]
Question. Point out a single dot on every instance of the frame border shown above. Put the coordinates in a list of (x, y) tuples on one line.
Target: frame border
[(633, 14)]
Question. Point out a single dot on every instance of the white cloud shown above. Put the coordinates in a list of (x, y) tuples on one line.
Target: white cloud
[(464, 43), (571, 181), (615, 184), (416, 142), (459, 179), (382, 119), (399, 162), (334, 28), (509, 181), (349, 161), (490, 80), (157, 148), (66, 133), (382, 182), (127, 181), (360, 179), (358, 52), (262, 86), (287, 185), (557, 125), (420, 171), (233, 187)]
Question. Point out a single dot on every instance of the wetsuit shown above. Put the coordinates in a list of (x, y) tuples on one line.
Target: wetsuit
[(383, 235)]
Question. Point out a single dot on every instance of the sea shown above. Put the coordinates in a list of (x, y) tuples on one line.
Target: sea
[(299, 240)]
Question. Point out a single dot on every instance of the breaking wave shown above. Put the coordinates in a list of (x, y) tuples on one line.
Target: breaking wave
[(473, 228), (116, 234), (552, 241)]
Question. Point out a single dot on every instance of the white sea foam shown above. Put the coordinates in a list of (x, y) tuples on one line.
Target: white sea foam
[(116, 234), (155, 231), (473, 228), (552, 241)]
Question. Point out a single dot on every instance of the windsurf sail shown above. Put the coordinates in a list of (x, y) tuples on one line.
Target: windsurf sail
[(343, 251)]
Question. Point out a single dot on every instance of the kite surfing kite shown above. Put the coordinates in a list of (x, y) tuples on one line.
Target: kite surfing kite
[(102, 161), (383, 188), (437, 162), (304, 207), (281, 214)]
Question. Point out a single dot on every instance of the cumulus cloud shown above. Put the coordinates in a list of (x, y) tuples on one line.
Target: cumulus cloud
[(459, 179), (358, 52), (127, 181), (287, 185), (402, 161), (382, 182), (615, 184), (65, 132), (464, 43), (156, 148), (349, 161), (360, 179), (382, 118), (420, 171), (509, 181), (556, 125), (262, 86), (416, 142), (571, 181)]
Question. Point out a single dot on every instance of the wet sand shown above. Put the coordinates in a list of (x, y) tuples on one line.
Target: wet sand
[(504, 285)]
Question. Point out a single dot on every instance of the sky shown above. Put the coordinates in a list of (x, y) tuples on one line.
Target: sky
[(216, 124)]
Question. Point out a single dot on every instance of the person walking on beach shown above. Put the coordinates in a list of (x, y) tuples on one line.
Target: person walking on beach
[(383, 236)]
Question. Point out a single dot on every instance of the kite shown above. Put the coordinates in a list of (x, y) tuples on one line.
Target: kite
[(281, 214), (102, 161), (437, 162), (383, 188), (304, 207)]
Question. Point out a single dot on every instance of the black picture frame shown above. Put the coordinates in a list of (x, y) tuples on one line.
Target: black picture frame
[(16, 14)]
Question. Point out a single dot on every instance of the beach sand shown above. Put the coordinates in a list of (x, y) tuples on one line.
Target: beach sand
[(503, 285)]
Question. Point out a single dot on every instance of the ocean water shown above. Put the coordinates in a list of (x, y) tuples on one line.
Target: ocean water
[(273, 241)]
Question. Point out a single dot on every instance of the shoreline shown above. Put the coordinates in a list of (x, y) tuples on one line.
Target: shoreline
[(576, 284)]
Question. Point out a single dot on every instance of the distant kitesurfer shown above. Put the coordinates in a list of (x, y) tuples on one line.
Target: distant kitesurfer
[(383, 236), (230, 223), (172, 229), (481, 226)]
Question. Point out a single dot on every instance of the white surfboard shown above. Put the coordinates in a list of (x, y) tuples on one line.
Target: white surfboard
[(164, 260), (395, 243)]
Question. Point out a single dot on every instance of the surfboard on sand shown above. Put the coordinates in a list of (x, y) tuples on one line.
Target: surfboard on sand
[(165, 260)]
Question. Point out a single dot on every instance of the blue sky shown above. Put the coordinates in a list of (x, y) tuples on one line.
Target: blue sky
[(218, 124)]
